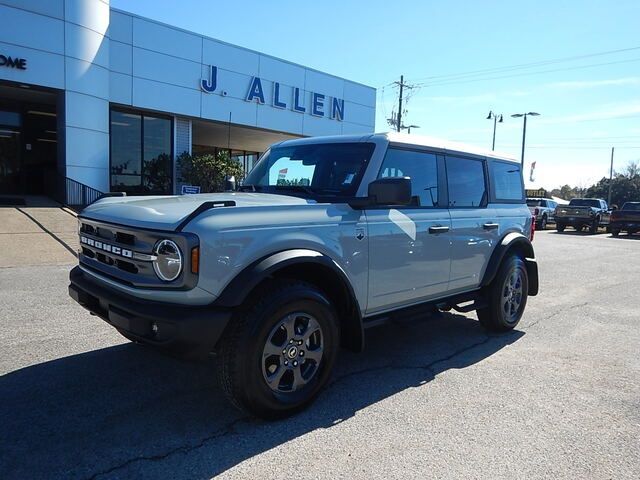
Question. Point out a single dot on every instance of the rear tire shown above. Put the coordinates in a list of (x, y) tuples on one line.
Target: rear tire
[(543, 223), (579, 228), (277, 355), (615, 233), (506, 296)]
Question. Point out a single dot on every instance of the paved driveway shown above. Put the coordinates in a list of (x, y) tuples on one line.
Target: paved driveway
[(557, 398)]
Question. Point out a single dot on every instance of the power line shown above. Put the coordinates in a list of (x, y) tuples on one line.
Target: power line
[(524, 74), (526, 65)]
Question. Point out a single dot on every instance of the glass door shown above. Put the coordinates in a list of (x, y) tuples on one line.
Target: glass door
[(9, 152)]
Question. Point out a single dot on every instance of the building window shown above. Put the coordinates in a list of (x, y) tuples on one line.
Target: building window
[(141, 153)]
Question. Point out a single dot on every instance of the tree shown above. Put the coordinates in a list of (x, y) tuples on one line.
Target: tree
[(625, 186), (209, 172)]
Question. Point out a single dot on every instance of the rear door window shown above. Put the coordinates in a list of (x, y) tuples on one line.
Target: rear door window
[(466, 182)]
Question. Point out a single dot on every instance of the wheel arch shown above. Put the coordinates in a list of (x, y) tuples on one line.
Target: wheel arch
[(309, 266), (513, 242)]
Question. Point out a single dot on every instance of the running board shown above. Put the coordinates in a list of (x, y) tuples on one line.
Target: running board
[(459, 303)]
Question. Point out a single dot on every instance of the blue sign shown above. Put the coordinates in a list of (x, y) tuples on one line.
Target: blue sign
[(190, 190), (319, 105)]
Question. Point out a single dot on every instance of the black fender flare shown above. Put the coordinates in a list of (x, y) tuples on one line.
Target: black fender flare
[(510, 242), (237, 291)]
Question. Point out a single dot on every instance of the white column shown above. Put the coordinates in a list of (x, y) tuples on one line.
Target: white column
[(86, 130)]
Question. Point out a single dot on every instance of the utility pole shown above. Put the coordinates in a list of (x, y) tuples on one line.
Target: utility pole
[(610, 177), (396, 119), (400, 103)]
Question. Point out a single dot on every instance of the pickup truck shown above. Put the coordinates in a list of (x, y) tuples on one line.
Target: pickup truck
[(627, 219), (543, 209), (583, 212)]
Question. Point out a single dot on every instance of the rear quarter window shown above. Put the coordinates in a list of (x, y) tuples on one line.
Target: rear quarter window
[(506, 181)]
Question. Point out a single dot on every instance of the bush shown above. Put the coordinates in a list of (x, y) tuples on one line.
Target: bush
[(209, 172)]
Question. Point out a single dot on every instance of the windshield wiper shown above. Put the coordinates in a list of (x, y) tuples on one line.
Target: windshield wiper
[(295, 188)]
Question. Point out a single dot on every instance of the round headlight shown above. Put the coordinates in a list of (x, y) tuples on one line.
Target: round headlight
[(168, 262)]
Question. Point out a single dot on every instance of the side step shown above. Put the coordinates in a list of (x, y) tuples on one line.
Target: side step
[(460, 303), (463, 305)]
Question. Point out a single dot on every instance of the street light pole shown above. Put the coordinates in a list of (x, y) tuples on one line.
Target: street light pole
[(495, 121), (524, 131), (524, 139)]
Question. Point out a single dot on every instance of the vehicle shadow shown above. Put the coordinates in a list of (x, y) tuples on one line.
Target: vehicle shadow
[(130, 412)]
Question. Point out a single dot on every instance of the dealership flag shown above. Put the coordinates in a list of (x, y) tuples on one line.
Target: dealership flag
[(533, 167), (282, 173)]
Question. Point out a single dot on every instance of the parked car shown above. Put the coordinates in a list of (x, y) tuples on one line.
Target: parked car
[(583, 212), (626, 219), (543, 209), (325, 238)]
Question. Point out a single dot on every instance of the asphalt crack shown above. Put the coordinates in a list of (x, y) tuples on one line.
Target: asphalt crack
[(228, 429)]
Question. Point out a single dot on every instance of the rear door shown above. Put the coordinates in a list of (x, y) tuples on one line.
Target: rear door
[(409, 247), (474, 226)]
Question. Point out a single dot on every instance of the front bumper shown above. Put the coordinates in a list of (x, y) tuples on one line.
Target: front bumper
[(193, 329)]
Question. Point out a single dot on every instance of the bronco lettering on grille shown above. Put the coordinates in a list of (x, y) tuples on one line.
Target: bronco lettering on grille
[(97, 244)]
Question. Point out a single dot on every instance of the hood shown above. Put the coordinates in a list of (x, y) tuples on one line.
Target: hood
[(167, 212)]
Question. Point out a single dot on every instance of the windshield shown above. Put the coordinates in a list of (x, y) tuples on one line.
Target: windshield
[(533, 203), (631, 206), (323, 169), (585, 202)]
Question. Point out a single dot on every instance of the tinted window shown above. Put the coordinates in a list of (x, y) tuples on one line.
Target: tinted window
[(533, 202), (325, 169), (507, 181), (585, 202), (421, 167), (631, 206), (141, 149), (465, 179)]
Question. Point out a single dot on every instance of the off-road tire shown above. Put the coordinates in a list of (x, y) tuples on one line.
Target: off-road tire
[(494, 317), (240, 351)]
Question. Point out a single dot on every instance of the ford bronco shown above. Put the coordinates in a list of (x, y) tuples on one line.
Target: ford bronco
[(324, 238)]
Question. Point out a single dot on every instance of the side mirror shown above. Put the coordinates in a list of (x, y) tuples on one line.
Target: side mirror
[(391, 191)]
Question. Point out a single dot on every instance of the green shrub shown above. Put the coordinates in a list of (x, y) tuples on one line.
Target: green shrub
[(209, 172)]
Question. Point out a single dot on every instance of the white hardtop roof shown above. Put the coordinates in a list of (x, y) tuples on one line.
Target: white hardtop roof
[(426, 141), (407, 139)]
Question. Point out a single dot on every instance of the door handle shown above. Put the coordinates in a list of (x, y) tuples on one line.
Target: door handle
[(491, 226), (438, 229)]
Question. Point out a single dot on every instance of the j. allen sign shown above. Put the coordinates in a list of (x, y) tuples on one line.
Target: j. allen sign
[(319, 105)]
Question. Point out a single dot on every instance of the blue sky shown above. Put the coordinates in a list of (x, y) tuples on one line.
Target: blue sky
[(587, 105)]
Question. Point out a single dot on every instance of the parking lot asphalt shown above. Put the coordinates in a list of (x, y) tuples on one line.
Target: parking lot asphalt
[(558, 398)]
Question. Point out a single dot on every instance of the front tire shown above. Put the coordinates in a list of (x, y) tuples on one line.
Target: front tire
[(615, 233), (506, 296), (277, 355), (560, 227), (593, 228)]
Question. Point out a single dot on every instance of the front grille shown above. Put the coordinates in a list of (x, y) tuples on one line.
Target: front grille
[(123, 253)]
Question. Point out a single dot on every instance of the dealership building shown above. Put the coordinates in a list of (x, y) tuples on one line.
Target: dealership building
[(108, 99)]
